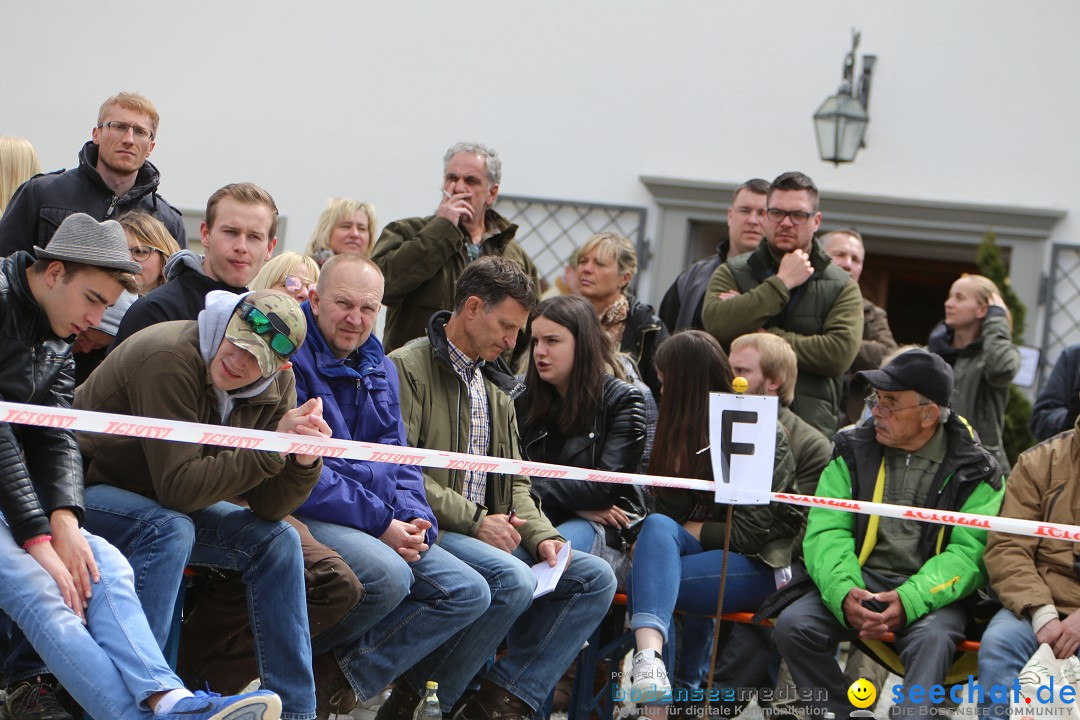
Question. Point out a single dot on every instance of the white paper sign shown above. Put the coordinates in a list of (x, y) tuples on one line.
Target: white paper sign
[(742, 433), (1029, 366)]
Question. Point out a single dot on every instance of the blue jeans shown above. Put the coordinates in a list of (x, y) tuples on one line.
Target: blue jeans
[(407, 611), (672, 571), (271, 565), (579, 532), (1007, 644), (112, 664), (544, 636), (229, 537), (153, 539)]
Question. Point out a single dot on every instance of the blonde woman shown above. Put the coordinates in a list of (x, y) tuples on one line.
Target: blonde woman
[(150, 245), (18, 163), (976, 339), (606, 264), (290, 273), (347, 227)]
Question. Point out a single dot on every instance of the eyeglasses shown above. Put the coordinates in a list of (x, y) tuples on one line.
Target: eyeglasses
[(798, 217), (887, 412), (142, 252), (269, 326), (121, 129), (295, 283)]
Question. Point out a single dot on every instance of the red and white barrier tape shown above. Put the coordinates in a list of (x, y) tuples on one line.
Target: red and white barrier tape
[(197, 433)]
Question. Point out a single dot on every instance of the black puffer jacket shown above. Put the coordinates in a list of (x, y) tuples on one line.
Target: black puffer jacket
[(41, 203), (614, 442), (35, 368)]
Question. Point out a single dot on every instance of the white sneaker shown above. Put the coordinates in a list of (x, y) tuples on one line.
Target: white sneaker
[(649, 678)]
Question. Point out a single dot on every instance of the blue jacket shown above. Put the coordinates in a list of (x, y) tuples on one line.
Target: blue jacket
[(360, 404)]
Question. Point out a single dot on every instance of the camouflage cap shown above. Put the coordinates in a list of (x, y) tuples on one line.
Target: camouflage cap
[(270, 326)]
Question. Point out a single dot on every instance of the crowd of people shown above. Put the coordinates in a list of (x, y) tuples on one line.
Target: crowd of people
[(330, 579)]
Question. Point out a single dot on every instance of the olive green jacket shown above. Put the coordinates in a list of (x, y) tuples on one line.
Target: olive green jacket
[(435, 408), (422, 258), (811, 449), (822, 319)]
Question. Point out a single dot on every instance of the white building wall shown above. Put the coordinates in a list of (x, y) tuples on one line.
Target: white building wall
[(972, 101)]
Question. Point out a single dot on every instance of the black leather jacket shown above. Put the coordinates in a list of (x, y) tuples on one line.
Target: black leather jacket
[(614, 442), (35, 367), (643, 334)]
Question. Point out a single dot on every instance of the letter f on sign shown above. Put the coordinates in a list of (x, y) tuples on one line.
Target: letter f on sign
[(728, 418)]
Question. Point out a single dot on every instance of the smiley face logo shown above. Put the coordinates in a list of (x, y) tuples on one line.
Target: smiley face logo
[(862, 693)]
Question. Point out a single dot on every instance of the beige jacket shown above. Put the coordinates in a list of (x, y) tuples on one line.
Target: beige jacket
[(1032, 572)]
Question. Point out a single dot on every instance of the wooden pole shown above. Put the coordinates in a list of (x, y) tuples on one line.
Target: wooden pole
[(719, 606)]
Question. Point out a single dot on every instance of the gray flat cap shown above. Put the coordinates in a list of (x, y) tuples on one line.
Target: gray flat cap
[(82, 239)]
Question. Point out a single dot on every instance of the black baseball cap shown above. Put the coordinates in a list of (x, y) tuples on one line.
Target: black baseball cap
[(924, 372)]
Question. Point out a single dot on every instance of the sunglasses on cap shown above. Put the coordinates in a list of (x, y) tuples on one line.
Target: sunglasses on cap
[(270, 327)]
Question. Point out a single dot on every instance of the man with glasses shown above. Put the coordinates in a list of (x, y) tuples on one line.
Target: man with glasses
[(113, 177), (168, 504), (789, 287), (682, 304), (871, 575)]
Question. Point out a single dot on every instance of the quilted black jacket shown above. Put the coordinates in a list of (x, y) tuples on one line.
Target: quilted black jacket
[(40, 468)]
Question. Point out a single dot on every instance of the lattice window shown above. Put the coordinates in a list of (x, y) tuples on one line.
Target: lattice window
[(550, 230), (1063, 313)]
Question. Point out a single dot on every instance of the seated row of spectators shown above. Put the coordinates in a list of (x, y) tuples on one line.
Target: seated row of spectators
[(401, 575)]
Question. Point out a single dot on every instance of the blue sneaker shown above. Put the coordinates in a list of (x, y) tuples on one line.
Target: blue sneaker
[(258, 705)]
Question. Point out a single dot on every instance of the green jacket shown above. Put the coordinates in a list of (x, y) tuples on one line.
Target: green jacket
[(837, 543), (422, 258), (766, 532), (435, 408), (159, 372), (822, 319), (984, 370)]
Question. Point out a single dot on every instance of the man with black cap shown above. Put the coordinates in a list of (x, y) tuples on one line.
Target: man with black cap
[(873, 575), (56, 576), (161, 502)]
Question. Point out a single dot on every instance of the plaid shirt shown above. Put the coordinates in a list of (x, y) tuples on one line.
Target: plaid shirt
[(479, 420)]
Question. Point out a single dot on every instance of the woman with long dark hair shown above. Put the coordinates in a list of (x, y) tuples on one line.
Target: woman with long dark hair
[(677, 557), (576, 413)]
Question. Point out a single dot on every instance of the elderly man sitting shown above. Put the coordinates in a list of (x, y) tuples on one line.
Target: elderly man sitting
[(873, 575)]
